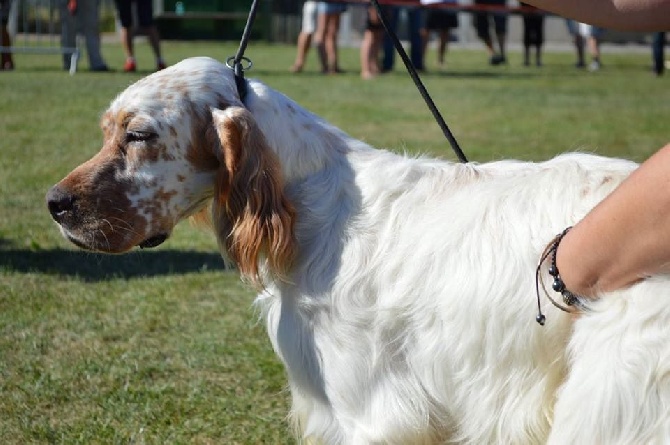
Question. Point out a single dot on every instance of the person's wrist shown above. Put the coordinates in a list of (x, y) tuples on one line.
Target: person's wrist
[(573, 274)]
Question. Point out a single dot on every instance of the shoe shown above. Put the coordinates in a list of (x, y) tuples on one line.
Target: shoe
[(594, 66), (130, 66), (497, 59), (160, 66)]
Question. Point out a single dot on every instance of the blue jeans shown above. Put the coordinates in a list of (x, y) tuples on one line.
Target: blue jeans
[(657, 50), (415, 19)]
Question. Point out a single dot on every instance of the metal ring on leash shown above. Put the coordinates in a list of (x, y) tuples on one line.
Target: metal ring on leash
[(236, 66), (230, 63)]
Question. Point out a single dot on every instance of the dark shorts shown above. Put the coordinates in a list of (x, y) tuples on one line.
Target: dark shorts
[(483, 19), (376, 24), (439, 19), (145, 12)]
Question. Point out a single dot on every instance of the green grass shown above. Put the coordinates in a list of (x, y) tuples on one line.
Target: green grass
[(163, 346)]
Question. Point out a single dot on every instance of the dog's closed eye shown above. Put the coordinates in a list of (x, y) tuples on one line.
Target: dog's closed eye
[(140, 136)]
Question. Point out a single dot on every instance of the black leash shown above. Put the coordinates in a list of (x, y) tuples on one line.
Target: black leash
[(417, 81), (235, 62)]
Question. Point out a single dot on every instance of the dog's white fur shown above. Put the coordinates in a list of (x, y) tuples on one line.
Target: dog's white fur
[(402, 299)]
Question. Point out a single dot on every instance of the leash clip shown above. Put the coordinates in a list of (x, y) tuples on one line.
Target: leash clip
[(237, 66)]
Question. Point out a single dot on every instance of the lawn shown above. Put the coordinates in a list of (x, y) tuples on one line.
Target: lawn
[(164, 346)]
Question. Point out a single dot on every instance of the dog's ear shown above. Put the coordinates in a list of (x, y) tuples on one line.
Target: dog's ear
[(251, 215)]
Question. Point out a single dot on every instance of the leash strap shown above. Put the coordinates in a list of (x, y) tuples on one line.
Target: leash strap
[(236, 63), (417, 81)]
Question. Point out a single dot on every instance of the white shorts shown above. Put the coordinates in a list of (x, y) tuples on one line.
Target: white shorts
[(583, 29), (308, 17)]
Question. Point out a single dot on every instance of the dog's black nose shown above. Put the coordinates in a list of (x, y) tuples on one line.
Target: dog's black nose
[(59, 203)]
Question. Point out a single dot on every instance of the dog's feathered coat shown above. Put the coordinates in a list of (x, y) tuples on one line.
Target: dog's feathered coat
[(398, 292)]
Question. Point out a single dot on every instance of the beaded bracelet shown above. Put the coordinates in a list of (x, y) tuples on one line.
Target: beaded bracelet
[(573, 302)]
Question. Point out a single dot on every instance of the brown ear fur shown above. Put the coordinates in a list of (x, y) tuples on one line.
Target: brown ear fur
[(252, 217)]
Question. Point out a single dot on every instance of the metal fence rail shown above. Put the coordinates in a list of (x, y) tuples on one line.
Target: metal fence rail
[(34, 27)]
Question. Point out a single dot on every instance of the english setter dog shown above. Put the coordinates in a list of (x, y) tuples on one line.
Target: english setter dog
[(398, 292)]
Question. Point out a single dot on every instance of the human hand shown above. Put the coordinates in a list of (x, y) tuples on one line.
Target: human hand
[(72, 6)]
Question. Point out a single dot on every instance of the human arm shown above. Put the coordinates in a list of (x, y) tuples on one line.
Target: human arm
[(623, 15), (624, 238)]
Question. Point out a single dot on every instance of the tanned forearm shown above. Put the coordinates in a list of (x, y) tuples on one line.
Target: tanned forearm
[(623, 15), (626, 237)]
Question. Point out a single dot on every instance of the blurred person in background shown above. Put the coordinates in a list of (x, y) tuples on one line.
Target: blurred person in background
[(307, 29), (658, 52), (484, 19), (82, 16), (442, 22), (146, 25), (533, 33), (586, 36), (415, 24), (373, 36), (327, 33), (6, 61)]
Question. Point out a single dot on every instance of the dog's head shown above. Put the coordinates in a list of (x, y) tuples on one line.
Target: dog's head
[(174, 141)]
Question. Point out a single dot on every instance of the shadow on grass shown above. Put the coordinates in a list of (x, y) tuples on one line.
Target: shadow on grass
[(98, 267)]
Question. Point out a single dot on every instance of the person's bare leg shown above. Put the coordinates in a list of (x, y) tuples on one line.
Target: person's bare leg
[(127, 43), (6, 63), (579, 46), (302, 49), (332, 30), (154, 41), (594, 50), (626, 237), (366, 54), (425, 41), (501, 37), (377, 39), (488, 43), (443, 46), (319, 41)]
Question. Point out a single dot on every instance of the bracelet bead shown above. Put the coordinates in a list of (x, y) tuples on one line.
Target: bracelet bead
[(569, 299)]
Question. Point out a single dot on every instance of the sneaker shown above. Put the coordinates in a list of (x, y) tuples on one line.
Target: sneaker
[(130, 66), (160, 66), (497, 59), (594, 65)]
